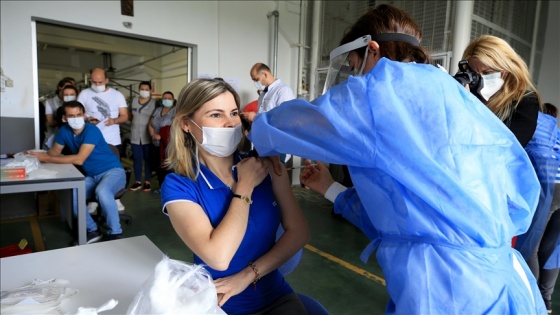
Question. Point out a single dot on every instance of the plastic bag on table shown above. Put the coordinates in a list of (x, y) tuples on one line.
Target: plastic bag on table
[(177, 288), (30, 162), (40, 297)]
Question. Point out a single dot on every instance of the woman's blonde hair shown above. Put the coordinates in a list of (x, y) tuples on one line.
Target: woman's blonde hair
[(498, 55), (181, 151)]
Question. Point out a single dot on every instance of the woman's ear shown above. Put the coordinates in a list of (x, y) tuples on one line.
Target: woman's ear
[(373, 48), (185, 127)]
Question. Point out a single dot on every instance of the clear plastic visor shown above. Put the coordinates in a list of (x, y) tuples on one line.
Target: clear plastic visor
[(339, 68)]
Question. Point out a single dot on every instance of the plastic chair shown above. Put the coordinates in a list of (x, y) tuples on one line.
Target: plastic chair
[(312, 306)]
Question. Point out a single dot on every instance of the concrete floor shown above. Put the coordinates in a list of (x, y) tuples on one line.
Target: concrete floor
[(330, 270)]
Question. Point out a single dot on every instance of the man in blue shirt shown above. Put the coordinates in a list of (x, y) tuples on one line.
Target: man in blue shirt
[(105, 175)]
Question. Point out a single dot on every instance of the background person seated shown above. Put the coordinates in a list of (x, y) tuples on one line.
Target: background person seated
[(104, 173)]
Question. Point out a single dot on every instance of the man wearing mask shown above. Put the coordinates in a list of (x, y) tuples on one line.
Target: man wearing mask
[(272, 91), (104, 173), (105, 107)]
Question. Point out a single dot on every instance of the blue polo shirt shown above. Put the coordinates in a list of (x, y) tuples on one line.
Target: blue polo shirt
[(264, 217), (101, 158)]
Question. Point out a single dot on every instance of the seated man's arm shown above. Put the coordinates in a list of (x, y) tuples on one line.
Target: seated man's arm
[(53, 156)]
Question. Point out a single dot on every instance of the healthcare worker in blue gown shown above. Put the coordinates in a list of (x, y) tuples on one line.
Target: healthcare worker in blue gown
[(440, 184)]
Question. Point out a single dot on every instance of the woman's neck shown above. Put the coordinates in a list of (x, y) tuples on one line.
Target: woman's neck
[(165, 110), (143, 100), (220, 166)]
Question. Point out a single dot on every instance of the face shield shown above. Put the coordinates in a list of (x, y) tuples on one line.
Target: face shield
[(339, 67)]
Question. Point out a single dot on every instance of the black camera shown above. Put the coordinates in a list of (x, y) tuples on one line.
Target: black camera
[(467, 76)]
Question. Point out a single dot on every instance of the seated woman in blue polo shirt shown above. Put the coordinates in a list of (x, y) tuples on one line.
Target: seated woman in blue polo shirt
[(227, 207)]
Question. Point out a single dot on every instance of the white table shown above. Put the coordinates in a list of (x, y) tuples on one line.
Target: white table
[(100, 272), (66, 177)]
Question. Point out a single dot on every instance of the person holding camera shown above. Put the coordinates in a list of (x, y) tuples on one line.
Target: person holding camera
[(505, 87), (439, 187)]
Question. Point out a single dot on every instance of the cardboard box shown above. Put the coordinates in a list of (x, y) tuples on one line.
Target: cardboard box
[(12, 172)]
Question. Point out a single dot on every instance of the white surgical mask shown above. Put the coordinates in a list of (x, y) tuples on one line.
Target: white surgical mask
[(218, 141), (259, 86), (145, 94), (167, 103), (69, 98), (98, 88), (76, 123), (492, 83)]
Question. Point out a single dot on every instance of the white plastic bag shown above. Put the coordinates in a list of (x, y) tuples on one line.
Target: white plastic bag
[(40, 297), (30, 162), (177, 288)]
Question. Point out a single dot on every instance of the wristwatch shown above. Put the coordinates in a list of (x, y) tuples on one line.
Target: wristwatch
[(246, 199)]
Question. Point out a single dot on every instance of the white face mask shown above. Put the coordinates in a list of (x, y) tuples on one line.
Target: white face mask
[(69, 98), (145, 94), (220, 142), (98, 88), (76, 123), (167, 103), (259, 86), (492, 83)]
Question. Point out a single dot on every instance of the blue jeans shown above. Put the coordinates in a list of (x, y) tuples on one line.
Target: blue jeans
[(141, 152), (103, 188)]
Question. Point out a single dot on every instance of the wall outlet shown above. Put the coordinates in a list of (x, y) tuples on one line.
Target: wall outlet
[(9, 83)]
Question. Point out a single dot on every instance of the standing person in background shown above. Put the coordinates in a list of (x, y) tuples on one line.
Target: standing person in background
[(105, 107), (51, 106), (162, 117), (272, 93), (509, 92), (440, 188), (141, 109), (227, 207)]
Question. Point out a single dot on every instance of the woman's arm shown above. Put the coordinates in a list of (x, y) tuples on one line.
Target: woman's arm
[(217, 246), (296, 235)]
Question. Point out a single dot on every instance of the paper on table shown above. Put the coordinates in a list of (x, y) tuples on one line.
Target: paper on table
[(42, 173)]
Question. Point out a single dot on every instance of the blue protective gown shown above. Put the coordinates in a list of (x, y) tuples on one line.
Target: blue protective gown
[(545, 161), (441, 185)]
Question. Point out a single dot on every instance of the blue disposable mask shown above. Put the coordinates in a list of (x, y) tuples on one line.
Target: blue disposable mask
[(167, 103)]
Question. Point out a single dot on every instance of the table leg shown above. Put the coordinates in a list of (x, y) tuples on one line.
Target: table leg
[(81, 228)]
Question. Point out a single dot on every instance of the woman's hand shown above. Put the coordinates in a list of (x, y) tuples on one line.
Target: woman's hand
[(233, 285), (251, 172), (156, 136), (318, 178)]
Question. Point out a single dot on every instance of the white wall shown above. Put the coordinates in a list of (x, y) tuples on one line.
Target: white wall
[(230, 37), (549, 76)]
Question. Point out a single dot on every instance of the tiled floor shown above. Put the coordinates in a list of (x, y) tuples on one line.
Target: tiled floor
[(330, 270)]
